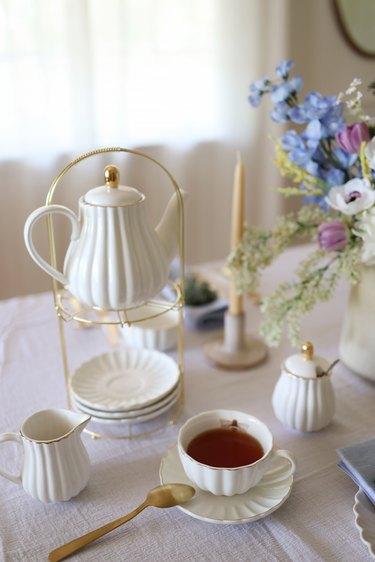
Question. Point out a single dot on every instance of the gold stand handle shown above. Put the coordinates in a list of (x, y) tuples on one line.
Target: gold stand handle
[(69, 548)]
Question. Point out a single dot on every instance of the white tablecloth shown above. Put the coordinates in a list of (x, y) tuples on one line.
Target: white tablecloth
[(315, 523)]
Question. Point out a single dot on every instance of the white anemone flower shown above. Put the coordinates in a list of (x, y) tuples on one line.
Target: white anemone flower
[(351, 198), (365, 229), (370, 153)]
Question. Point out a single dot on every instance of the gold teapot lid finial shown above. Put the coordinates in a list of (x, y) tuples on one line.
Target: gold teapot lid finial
[(307, 349), (111, 176)]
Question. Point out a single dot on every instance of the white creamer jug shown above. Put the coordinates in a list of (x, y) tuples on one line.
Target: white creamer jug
[(303, 397), (56, 465)]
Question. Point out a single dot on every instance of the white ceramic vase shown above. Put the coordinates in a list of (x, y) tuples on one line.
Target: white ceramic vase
[(357, 343)]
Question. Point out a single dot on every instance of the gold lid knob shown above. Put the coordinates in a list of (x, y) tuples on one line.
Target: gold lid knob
[(307, 349), (111, 176)]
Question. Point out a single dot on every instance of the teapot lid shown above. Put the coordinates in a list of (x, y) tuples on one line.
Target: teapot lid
[(305, 364), (112, 194)]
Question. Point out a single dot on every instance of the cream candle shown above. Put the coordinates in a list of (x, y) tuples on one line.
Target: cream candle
[(236, 300)]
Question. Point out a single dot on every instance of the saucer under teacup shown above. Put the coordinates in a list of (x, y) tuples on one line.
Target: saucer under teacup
[(258, 502), (127, 379)]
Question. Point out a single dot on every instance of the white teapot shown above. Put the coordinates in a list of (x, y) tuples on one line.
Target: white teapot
[(115, 259), (303, 397)]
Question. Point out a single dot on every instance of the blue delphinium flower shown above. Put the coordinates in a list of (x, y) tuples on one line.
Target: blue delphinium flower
[(343, 158), (283, 96), (314, 106), (301, 148), (324, 108), (333, 121), (284, 67), (297, 149), (280, 112), (257, 89), (282, 92), (315, 148), (313, 133), (319, 200), (333, 176)]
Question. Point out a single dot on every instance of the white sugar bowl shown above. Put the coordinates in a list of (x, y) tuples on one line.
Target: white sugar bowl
[(303, 397)]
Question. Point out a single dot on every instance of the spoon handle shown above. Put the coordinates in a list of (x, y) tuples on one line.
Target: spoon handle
[(69, 548)]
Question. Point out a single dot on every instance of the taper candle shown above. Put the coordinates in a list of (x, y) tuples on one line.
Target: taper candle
[(236, 300)]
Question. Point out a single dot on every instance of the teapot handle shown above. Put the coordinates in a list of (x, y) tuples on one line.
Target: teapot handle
[(16, 478), (29, 225)]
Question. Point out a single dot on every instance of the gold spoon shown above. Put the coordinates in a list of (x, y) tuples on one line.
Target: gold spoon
[(168, 495)]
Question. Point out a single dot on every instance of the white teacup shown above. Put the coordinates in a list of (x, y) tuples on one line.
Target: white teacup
[(228, 481)]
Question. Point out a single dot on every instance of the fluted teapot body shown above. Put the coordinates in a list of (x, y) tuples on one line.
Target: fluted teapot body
[(116, 259)]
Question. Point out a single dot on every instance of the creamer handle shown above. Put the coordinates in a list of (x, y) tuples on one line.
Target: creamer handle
[(16, 478), (29, 225)]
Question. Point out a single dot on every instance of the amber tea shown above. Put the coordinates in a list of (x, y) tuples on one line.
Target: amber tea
[(225, 447)]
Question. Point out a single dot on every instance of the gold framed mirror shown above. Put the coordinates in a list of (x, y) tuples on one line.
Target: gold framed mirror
[(357, 20)]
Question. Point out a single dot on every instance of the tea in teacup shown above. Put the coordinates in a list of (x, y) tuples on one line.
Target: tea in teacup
[(225, 447)]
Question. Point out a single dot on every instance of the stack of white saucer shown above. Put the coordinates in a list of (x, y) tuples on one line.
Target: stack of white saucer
[(126, 386)]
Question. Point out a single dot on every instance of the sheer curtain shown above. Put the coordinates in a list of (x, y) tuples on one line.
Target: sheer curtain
[(167, 77), (88, 72)]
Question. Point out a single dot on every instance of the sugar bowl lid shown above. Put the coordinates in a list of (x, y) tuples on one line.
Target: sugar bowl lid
[(112, 194), (305, 364)]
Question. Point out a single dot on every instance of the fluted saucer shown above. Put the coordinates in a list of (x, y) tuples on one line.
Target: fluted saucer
[(258, 502), (127, 379), (364, 512), (123, 418)]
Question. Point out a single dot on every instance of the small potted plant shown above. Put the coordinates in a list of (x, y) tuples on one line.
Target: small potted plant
[(203, 309)]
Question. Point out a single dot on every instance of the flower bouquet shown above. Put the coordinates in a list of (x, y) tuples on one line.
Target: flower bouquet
[(329, 157)]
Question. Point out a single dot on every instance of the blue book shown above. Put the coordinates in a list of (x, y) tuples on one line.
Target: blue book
[(358, 461)]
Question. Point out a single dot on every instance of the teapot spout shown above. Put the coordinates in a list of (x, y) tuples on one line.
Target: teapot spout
[(167, 230)]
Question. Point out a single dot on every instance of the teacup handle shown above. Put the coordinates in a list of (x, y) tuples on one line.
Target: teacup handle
[(16, 478), (28, 229), (286, 455)]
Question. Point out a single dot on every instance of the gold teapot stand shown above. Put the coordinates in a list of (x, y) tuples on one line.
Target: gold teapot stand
[(71, 312)]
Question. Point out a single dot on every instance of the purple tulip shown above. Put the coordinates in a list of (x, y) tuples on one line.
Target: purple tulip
[(351, 138), (332, 236)]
